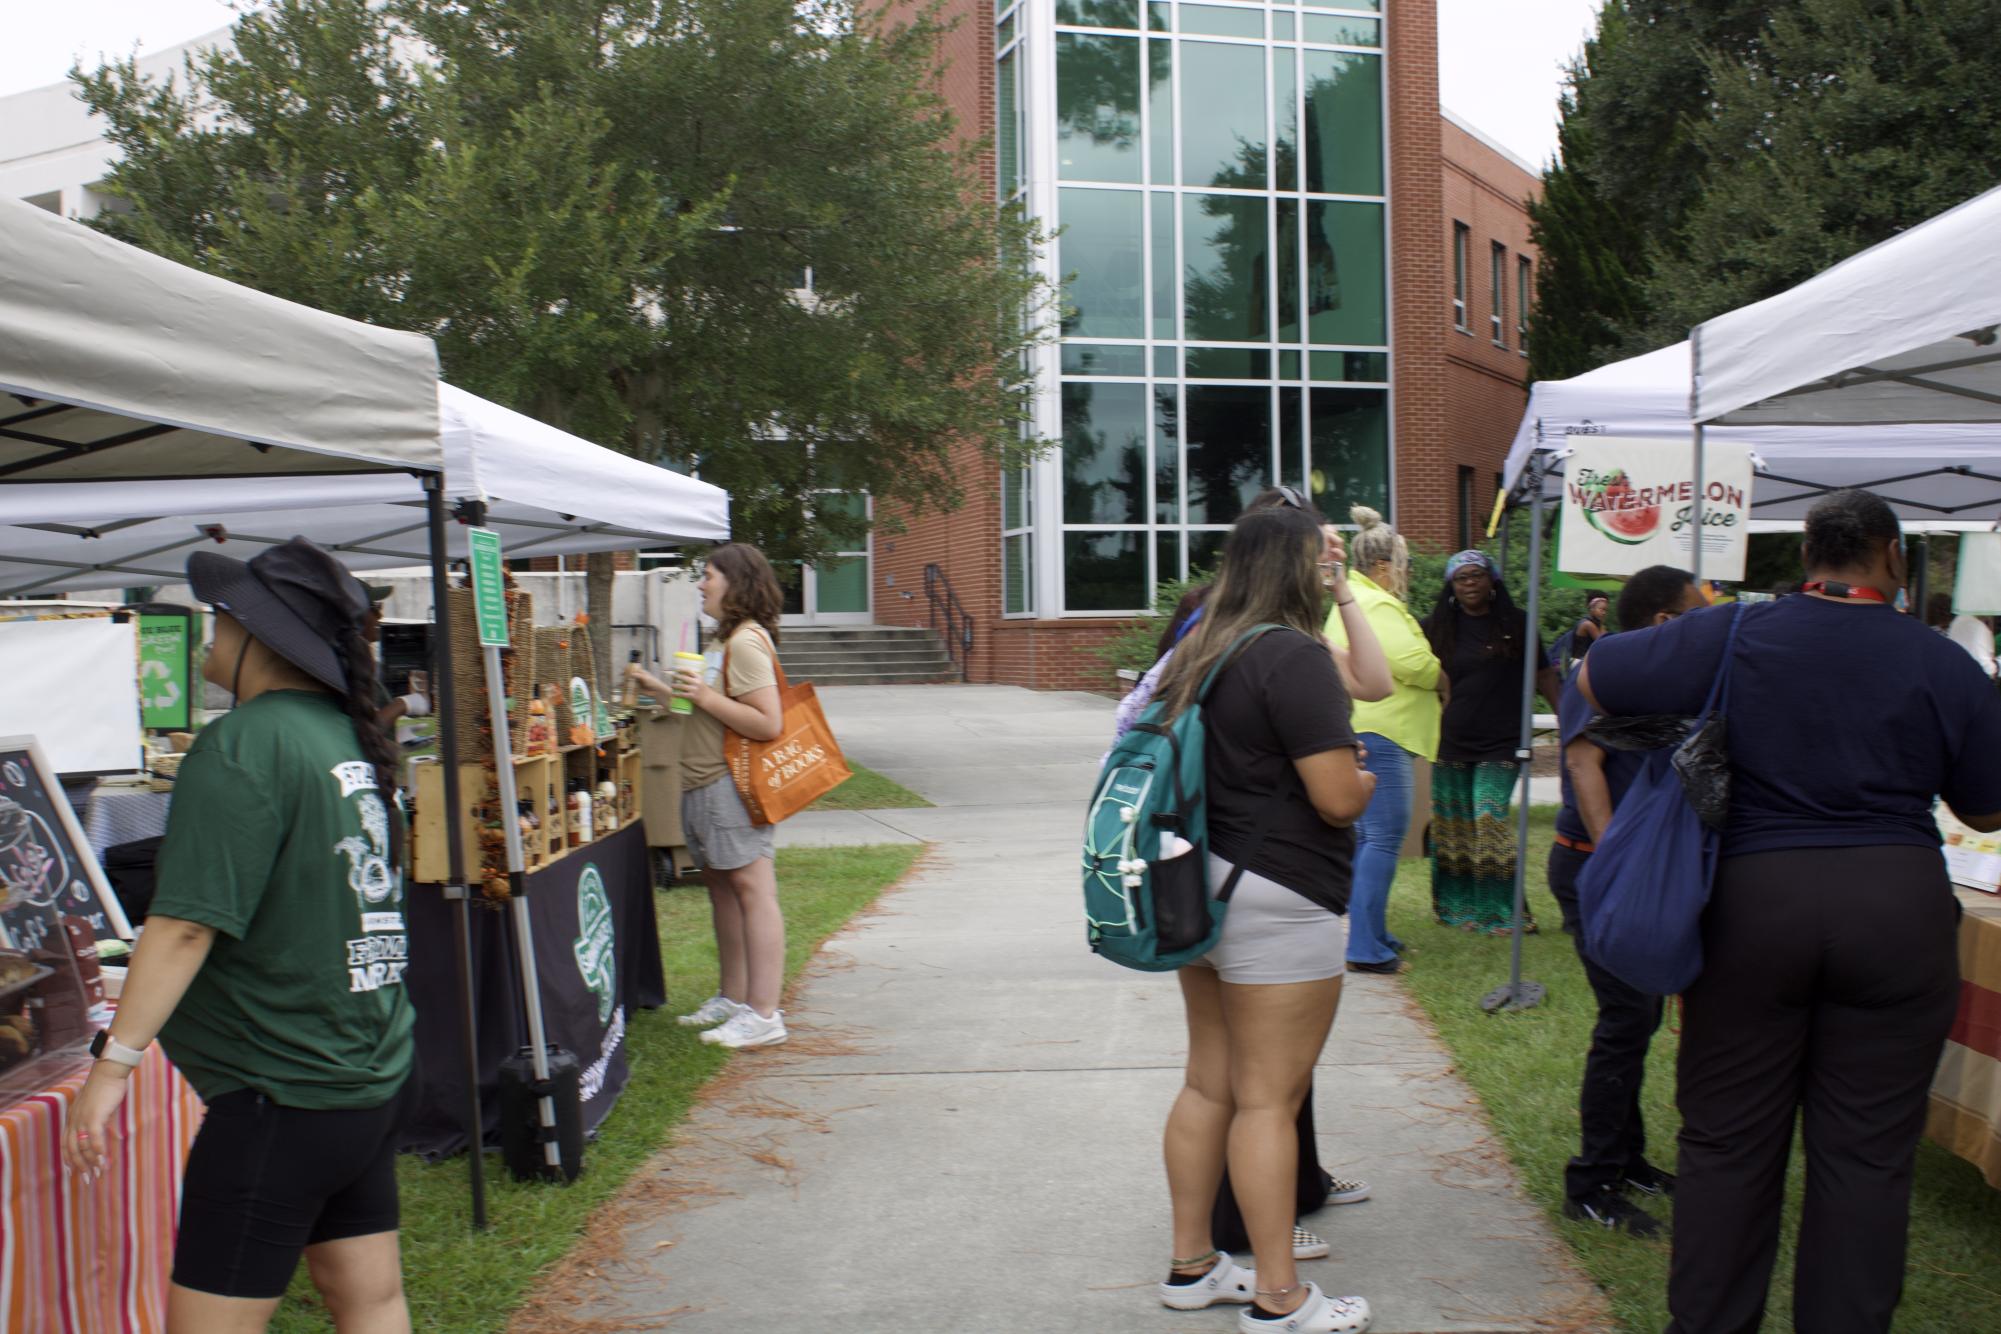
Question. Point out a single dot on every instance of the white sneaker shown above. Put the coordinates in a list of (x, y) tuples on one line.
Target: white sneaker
[(710, 1013), (1318, 1314), (1226, 1282), (1306, 1246), (748, 1028)]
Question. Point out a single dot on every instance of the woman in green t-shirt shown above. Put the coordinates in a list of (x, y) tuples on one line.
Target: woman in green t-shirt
[(742, 594), (271, 964)]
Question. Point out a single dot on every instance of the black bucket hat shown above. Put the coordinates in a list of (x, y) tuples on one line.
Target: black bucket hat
[(292, 599)]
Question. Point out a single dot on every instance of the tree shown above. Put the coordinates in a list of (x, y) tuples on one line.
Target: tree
[(1861, 118), (605, 213)]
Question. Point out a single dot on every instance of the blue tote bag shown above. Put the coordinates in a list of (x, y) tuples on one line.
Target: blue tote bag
[(1643, 891)]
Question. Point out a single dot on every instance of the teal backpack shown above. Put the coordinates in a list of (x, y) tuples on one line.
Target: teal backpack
[(1144, 908)]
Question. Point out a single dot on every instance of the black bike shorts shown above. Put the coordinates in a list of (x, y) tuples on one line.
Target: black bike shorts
[(264, 1182)]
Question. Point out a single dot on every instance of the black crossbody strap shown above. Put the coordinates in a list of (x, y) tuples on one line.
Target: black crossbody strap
[(1257, 845)]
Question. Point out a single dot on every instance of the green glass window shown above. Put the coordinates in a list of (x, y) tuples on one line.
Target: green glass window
[(1288, 365), (1343, 32), (1160, 18), (1344, 123), (1164, 262), (1285, 118), (1229, 363), (1350, 450), (1014, 498), (1222, 115), (1004, 32), (1166, 557), (1291, 438), (1105, 571), (1166, 363), (1166, 454), (1217, 21), (1374, 6), (1226, 268), (1365, 367), (1103, 359), (841, 584), (1099, 253), (1107, 13), (1017, 575), (1160, 110), (1097, 107), (1344, 273), (1205, 553), (1104, 453), (1282, 25), (1288, 270), (1007, 125), (1228, 447)]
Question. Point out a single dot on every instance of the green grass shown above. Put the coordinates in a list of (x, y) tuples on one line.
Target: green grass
[(463, 1282), (868, 791), (1526, 1067)]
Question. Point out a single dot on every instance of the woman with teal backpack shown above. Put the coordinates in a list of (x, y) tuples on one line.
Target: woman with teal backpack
[(1283, 788)]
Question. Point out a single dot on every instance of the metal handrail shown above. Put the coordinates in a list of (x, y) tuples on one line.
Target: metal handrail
[(958, 621)]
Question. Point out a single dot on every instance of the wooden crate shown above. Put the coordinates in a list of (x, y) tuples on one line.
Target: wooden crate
[(533, 777), (631, 796), (430, 857)]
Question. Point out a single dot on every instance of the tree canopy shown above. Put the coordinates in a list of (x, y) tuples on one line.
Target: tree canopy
[(1715, 152), (605, 214)]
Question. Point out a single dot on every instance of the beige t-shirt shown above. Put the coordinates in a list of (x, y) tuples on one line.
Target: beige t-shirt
[(751, 669)]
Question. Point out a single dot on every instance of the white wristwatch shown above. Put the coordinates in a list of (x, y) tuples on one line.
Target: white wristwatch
[(107, 1048)]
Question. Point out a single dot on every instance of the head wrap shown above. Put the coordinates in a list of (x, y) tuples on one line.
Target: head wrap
[(1466, 558)]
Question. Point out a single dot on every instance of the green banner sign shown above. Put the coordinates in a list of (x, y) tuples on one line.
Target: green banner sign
[(166, 685), (489, 586)]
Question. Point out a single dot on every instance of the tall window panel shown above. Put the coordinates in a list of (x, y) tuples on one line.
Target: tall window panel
[(1097, 108), (1101, 256), (1462, 241), (1497, 317), (1524, 287)]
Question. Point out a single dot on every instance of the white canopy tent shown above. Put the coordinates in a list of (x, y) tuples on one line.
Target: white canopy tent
[(1943, 477), (122, 365), (547, 493)]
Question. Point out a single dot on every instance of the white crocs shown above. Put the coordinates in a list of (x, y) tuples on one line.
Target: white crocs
[(1226, 1281), (1318, 1314)]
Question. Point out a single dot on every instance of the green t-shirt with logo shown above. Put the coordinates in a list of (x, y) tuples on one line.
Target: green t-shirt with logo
[(278, 839)]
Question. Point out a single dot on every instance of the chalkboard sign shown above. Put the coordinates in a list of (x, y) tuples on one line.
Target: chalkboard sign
[(47, 870)]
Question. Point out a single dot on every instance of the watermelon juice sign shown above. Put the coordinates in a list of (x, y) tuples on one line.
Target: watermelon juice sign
[(1628, 504)]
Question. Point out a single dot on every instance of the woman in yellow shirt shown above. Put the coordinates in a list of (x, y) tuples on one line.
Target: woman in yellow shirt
[(1392, 730)]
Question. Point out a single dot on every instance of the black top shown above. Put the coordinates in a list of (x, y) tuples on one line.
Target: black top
[(1580, 642), (1281, 700), (1573, 715), (1844, 722), (1483, 721)]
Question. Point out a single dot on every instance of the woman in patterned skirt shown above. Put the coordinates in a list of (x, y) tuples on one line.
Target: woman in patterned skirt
[(1479, 636)]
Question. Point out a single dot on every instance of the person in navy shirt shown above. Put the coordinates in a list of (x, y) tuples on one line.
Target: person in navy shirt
[(1831, 973), (1612, 1153)]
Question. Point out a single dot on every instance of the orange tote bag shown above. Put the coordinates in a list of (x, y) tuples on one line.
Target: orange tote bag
[(781, 777)]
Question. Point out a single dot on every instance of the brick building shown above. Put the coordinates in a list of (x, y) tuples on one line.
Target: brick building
[(1286, 263)]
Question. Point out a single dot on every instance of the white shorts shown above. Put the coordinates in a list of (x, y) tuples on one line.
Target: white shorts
[(717, 827), (1272, 935)]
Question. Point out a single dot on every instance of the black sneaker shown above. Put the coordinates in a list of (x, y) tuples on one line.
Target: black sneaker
[(1615, 1213), (1650, 1180), (1386, 966)]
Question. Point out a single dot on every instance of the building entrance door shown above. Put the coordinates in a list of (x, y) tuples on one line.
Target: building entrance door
[(836, 589)]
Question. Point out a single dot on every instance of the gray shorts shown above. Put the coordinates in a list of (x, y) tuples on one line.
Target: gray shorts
[(1273, 935), (717, 826)]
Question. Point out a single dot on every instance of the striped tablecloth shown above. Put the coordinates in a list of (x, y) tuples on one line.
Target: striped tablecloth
[(1965, 1111), (79, 1258)]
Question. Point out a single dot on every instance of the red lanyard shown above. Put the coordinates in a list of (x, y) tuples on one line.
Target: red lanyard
[(1839, 590)]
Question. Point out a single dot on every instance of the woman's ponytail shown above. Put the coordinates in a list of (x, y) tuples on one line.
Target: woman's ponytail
[(364, 710)]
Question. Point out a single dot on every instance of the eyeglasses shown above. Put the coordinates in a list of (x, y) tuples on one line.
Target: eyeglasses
[(1292, 497)]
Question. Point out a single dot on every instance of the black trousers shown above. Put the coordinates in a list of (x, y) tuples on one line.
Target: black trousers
[(1226, 1221), (1613, 1140), (1830, 981)]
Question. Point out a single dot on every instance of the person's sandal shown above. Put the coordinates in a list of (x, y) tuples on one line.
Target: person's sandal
[(1226, 1281)]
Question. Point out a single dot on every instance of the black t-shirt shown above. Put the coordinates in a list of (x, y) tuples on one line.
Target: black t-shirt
[(1281, 700), (1844, 721), (1483, 721)]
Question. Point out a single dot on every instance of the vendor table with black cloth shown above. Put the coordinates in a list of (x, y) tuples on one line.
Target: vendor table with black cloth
[(597, 955)]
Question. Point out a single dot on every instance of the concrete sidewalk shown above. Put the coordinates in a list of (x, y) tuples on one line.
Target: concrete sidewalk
[(964, 1134)]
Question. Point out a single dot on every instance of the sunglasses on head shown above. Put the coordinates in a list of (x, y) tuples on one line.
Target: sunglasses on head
[(1292, 497)]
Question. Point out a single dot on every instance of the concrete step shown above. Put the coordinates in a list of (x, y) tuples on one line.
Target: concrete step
[(826, 657), (852, 634), (871, 678)]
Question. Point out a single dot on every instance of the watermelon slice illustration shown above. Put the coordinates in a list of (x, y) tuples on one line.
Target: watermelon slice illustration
[(1613, 512)]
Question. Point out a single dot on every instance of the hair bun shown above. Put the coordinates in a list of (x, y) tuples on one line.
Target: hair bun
[(1364, 517)]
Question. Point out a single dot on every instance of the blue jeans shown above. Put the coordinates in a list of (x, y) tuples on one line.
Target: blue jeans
[(1379, 836)]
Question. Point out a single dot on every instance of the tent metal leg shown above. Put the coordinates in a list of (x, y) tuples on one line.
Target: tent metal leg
[(1519, 993), (448, 757)]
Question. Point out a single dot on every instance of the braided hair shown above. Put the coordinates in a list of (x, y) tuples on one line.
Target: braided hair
[(1441, 627), (363, 700)]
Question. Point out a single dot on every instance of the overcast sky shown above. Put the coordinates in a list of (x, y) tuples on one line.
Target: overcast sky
[(1500, 61)]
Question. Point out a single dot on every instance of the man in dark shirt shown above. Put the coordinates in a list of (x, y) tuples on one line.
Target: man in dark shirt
[(1612, 1155)]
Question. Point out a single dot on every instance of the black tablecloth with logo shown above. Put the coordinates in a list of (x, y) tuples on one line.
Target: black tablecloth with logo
[(597, 954)]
